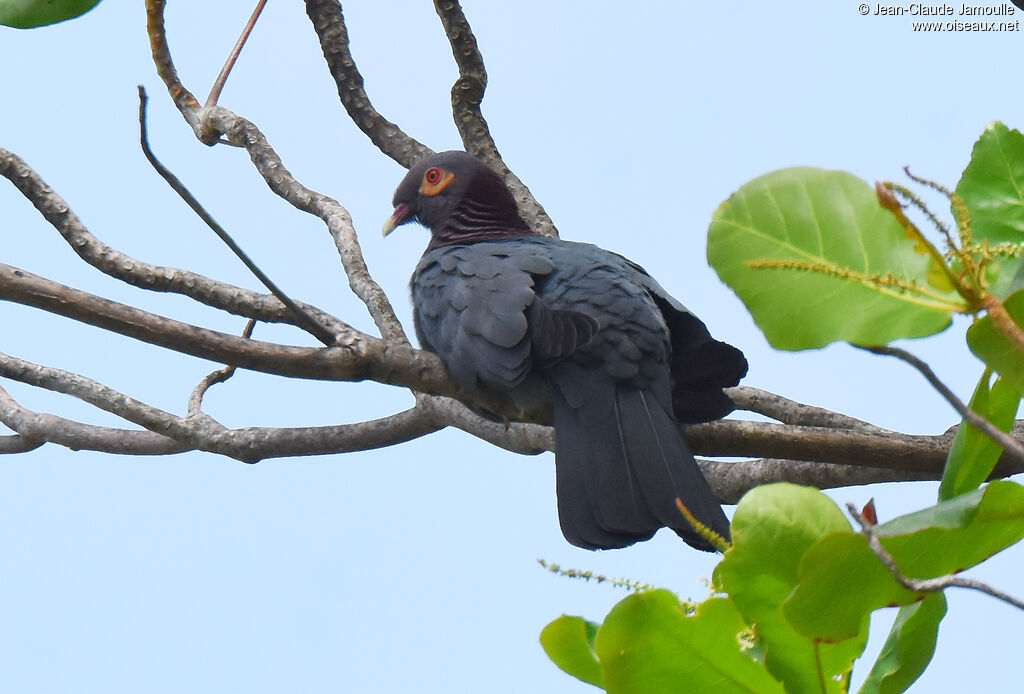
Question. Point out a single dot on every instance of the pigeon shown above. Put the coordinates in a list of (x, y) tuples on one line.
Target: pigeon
[(579, 331)]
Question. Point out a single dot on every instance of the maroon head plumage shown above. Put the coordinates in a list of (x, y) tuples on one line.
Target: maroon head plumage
[(458, 198)]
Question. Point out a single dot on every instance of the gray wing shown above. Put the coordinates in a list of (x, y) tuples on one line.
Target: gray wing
[(700, 366), (477, 308)]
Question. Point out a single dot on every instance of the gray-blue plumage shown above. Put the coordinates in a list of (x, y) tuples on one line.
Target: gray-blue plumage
[(580, 326), (580, 330)]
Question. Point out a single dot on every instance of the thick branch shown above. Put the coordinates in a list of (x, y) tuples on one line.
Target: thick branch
[(892, 451), (19, 444)]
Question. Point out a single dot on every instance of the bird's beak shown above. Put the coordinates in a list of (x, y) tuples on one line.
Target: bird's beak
[(400, 216)]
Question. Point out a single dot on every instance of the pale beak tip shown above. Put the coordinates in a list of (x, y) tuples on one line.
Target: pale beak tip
[(398, 217)]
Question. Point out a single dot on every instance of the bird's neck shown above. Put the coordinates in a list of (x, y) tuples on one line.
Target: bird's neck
[(473, 222)]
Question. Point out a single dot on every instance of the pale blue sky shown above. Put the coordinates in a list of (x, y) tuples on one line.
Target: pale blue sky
[(414, 568)]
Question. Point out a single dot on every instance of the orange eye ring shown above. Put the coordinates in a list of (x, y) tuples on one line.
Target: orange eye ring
[(435, 179)]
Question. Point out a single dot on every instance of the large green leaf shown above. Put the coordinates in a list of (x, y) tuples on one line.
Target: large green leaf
[(956, 534), (992, 186), (772, 528), (841, 583), (26, 14), (996, 349), (973, 454), (648, 645), (830, 229), (569, 642), (909, 647)]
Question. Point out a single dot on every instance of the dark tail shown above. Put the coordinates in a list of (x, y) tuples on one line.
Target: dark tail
[(621, 463)]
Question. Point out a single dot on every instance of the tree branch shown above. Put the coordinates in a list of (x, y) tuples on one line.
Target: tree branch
[(329, 23), (48, 428), (791, 412), (360, 357), (467, 95), (18, 444)]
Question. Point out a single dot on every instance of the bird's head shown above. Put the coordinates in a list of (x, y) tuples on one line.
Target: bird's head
[(458, 198)]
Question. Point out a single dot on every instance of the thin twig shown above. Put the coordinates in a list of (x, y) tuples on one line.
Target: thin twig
[(303, 319), (1009, 443), (222, 78), (195, 400), (923, 585)]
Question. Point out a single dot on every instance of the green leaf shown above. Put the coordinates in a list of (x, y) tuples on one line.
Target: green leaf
[(992, 186), (973, 455), (909, 647), (569, 642), (994, 348), (772, 528), (26, 14), (830, 224), (956, 534), (841, 582), (647, 644)]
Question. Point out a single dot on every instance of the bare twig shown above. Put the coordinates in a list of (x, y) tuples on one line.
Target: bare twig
[(1009, 443), (302, 319), (195, 400), (222, 78), (925, 585)]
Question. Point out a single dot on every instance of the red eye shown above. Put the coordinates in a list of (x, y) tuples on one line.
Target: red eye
[(433, 176)]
